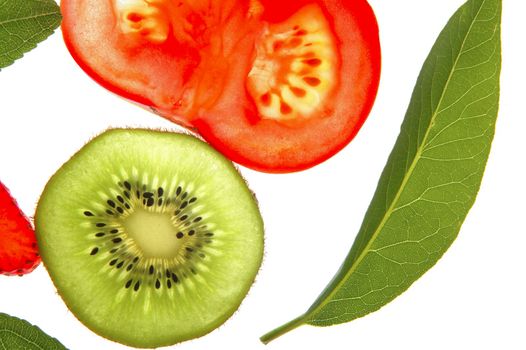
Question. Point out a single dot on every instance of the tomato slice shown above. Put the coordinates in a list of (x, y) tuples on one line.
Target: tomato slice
[(277, 86)]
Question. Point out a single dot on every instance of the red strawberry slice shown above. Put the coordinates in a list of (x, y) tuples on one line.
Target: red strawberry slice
[(18, 245)]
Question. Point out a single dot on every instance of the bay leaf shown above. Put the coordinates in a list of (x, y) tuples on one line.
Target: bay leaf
[(23, 24), (18, 334), (432, 176)]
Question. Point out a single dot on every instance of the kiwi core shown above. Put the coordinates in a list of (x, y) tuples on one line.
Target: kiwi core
[(154, 233)]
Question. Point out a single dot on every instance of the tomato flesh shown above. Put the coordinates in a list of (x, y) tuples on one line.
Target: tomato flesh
[(276, 86), (294, 71)]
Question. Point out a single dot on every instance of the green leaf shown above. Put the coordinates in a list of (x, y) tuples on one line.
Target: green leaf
[(17, 334), (432, 175), (23, 24)]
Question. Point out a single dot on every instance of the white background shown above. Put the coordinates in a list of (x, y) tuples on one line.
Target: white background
[(475, 297)]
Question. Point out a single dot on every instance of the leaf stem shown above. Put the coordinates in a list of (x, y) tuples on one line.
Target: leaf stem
[(285, 328)]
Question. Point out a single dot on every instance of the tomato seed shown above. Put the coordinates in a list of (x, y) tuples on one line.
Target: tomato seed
[(299, 92), (313, 62), (134, 17), (278, 44), (285, 108), (265, 99), (301, 32), (312, 81)]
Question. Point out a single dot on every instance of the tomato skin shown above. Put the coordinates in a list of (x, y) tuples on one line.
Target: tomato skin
[(203, 90)]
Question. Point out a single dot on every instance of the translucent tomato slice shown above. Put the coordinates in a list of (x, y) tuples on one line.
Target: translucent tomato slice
[(277, 86), (311, 83)]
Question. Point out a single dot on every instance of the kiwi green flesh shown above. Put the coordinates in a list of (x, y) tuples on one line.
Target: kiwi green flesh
[(151, 238)]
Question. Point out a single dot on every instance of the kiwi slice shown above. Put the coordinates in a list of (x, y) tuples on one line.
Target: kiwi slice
[(151, 238)]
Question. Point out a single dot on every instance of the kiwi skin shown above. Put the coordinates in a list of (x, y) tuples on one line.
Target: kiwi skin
[(61, 210)]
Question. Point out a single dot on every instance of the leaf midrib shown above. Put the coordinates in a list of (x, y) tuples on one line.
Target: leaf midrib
[(404, 181), (28, 17)]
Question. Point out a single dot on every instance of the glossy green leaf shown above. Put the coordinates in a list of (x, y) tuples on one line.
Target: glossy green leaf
[(17, 334), (23, 24), (432, 175)]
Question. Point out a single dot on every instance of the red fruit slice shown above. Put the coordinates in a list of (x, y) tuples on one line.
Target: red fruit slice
[(18, 245), (275, 85)]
